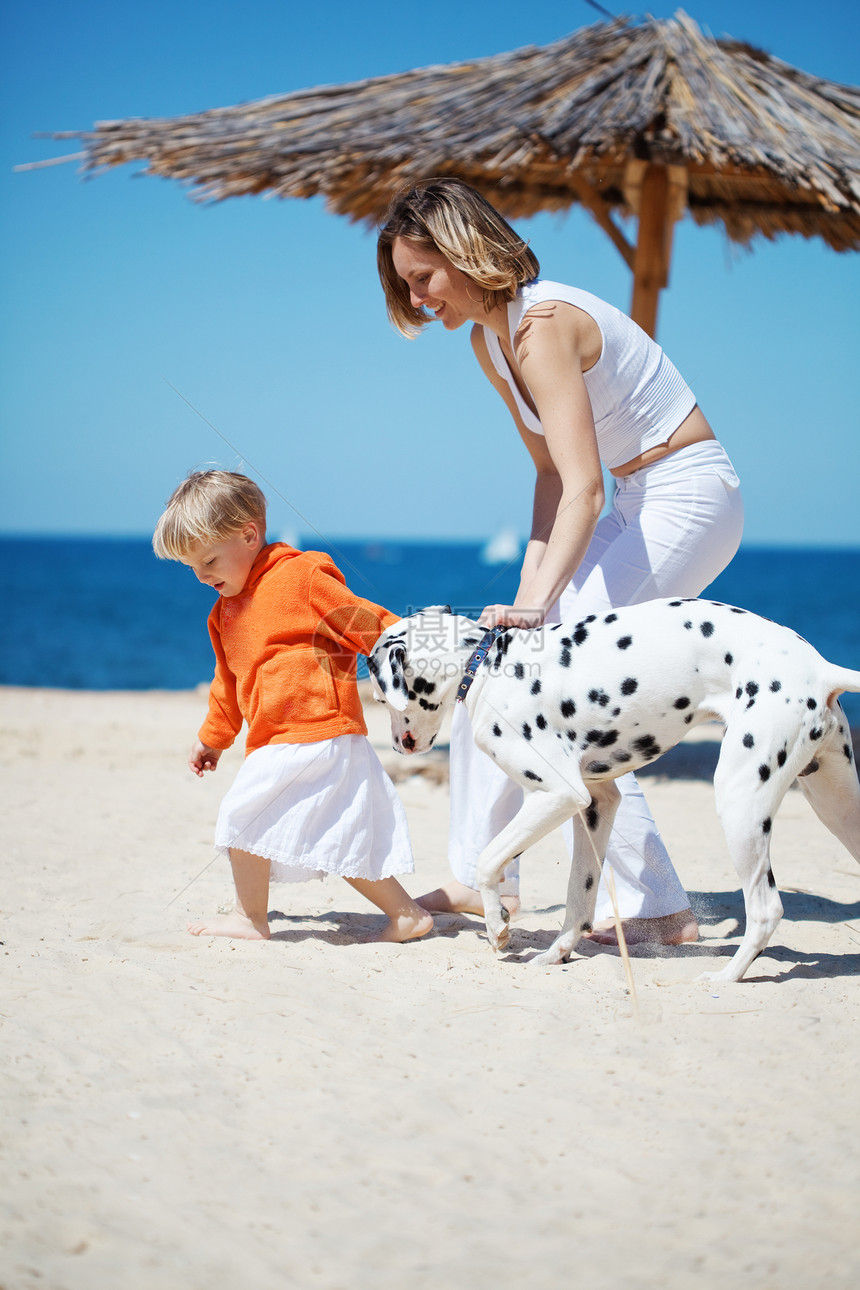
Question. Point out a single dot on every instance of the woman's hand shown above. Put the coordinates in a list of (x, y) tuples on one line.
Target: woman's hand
[(510, 616)]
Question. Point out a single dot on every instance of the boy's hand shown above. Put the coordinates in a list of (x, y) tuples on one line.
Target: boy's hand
[(202, 757)]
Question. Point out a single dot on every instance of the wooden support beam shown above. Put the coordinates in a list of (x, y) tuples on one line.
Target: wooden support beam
[(649, 264), (660, 196), (600, 211)]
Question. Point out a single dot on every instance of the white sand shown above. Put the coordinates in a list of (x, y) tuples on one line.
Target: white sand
[(312, 1112)]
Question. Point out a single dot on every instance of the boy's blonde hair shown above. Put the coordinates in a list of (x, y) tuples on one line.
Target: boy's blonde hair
[(207, 507), (448, 216)]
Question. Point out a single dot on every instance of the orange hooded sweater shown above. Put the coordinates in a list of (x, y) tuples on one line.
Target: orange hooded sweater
[(285, 651)]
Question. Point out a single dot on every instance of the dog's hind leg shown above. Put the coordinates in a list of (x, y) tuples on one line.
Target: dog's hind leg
[(541, 812), (591, 830), (829, 784), (747, 803)]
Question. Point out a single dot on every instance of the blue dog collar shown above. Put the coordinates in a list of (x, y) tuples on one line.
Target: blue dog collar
[(477, 659)]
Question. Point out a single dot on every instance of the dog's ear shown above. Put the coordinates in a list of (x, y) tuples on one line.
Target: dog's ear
[(387, 667)]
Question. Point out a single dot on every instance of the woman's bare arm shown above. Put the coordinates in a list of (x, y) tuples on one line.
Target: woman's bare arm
[(569, 486)]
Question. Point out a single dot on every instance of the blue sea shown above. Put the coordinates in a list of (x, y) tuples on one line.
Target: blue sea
[(104, 614)]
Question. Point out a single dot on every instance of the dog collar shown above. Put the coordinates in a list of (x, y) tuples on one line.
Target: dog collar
[(476, 659)]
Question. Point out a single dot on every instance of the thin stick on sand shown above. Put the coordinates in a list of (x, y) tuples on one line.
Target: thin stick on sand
[(619, 929)]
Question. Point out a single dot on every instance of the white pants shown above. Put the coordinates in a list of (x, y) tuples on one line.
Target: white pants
[(672, 529)]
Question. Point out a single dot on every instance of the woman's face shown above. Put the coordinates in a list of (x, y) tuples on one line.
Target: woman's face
[(436, 285)]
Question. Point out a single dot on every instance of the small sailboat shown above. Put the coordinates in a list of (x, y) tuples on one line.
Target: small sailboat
[(502, 549)]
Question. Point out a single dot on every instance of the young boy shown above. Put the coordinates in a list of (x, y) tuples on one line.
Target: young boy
[(311, 797)]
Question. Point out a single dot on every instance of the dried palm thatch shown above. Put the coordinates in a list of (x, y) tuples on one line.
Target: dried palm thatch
[(648, 118)]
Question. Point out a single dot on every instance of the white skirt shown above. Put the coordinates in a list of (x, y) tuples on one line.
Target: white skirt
[(317, 809)]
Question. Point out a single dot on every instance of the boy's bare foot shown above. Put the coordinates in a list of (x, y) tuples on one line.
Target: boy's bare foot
[(456, 898), (235, 924), (405, 927), (673, 929)]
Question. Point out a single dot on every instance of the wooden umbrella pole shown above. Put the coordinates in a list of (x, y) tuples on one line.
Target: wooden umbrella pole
[(650, 268)]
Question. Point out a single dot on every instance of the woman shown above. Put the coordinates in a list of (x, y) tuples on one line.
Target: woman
[(586, 387)]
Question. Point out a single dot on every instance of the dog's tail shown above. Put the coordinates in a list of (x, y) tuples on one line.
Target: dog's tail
[(840, 679)]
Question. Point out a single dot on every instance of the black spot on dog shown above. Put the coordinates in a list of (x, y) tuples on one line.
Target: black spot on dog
[(564, 658), (568, 707), (422, 686), (811, 704), (707, 629), (781, 757), (689, 718), (673, 604), (749, 742), (571, 734), (592, 817), (738, 692), (527, 730), (580, 635), (771, 881), (598, 767), (616, 712), (529, 774), (600, 697), (647, 745), (766, 825), (625, 642), (689, 625), (630, 686), (535, 687), (611, 618), (809, 770), (540, 721), (816, 733), (728, 660), (410, 694), (751, 689), (589, 881), (775, 687), (383, 685), (585, 927), (607, 739), (681, 703), (732, 610), (497, 729), (764, 773), (847, 751), (428, 707), (519, 671)]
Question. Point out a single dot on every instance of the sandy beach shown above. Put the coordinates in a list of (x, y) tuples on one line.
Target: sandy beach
[(316, 1112)]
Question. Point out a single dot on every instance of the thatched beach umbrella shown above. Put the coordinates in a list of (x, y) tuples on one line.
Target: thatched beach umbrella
[(649, 118)]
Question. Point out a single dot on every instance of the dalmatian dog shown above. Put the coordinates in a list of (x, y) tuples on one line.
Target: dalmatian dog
[(566, 709)]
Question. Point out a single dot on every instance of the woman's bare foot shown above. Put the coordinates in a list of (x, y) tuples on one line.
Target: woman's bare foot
[(405, 927), (673, 929), (236, 924), (456, 898)]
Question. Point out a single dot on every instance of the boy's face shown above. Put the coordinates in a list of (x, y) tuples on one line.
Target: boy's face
[(225, 565)]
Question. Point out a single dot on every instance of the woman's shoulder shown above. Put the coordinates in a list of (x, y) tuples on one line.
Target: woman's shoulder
[(541, 290)]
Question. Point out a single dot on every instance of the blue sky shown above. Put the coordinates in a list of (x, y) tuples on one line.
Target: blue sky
[(267, 316)]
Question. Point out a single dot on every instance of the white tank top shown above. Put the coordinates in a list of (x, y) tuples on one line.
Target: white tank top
[(638, 397)]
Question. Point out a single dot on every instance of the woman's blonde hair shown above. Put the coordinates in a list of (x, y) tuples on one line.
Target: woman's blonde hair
[(207, 507), (448, 216)]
